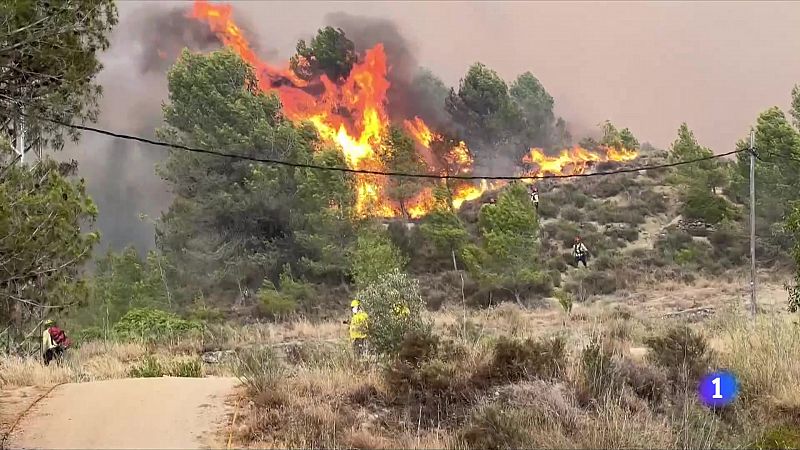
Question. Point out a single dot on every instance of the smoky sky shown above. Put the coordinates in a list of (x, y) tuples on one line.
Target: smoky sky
[(647, 66)]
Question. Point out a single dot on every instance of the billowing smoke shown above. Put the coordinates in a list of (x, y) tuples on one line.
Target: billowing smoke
[(408, 94), (121, 174)]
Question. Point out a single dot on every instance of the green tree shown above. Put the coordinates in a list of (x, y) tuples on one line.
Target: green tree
[(48, 52), (401, 155), (793, 226), (324, 229), (443, 227), (123, 281), (230, 223), (330, 52), (507, 256), (536, 106), (395, 308), (618, 139), (43, 215), (375, 255), (699, 181), (796, 105), (777, 183), (484, 109)]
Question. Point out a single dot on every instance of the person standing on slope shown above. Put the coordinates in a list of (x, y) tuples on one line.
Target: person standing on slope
[(534, 193), (358, 328), (579, 252)]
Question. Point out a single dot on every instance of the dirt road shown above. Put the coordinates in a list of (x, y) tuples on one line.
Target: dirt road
[(131, 413)]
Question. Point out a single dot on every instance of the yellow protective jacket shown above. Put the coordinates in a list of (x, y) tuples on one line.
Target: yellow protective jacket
[(358, 326), (47, 340)]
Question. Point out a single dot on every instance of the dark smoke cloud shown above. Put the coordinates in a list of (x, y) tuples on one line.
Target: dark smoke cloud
[(121, 174), (405, 96)]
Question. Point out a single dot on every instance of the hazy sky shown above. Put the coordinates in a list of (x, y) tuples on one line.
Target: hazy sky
[(644, 65)]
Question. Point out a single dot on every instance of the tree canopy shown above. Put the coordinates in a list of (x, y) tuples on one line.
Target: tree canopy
[(507, 257), (48, 60), (330, 52), (42, 244), (233, 221)]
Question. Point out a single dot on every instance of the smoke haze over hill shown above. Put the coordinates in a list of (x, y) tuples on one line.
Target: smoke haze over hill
[(646, 66)]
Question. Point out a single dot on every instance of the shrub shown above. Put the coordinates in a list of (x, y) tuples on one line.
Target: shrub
[(418, 346), (259, 370), (650, 202), (600, 283), (557, 263), (597, 370), (609, 212), (153, 324), (605, 187), (375, 255), (90, 334), (782, 436), (548, 208), (565, 299), (513, 360), (623, 233), (701, 204), (382, 300), (492, 427), (682, 352), (645, 381), (149, 367), (189, 368), (571, 213), (274, 304)]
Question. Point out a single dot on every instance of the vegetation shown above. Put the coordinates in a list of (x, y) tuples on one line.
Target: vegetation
[(259, 262)]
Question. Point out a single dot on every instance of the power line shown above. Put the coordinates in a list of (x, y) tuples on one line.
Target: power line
[(369, 172)]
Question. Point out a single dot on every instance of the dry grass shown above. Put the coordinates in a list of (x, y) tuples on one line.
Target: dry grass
[(325, 398)]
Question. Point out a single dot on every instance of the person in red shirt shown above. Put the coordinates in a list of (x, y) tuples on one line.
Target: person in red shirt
[(54, 341)]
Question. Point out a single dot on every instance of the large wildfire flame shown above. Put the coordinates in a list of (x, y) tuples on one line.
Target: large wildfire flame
[(352, 114)]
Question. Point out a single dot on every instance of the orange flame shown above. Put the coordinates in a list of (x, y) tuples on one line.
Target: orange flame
[(352, 114), (574, 161)]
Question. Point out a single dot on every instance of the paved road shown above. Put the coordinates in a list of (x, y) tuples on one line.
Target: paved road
[(130, 413)]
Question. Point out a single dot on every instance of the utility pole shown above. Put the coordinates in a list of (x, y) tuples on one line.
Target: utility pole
[(752, 224), (19, 130)]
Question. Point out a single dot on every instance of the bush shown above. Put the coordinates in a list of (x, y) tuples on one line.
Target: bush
[(624, 233), (259, 370), (701, 204), (683, 353), (492, 427), (189, 368), (609, 212), (565, 299), (375, 255), (646, 382), (149, 367), (599, 283), (597, 370), (571, 213), (382, 300), (782, 436), (90, 334), (153, 324), (514, 360), (274, 304), (548, 208)]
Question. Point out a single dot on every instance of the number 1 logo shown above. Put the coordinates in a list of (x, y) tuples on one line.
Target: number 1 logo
[(718, 389), (716, 382)]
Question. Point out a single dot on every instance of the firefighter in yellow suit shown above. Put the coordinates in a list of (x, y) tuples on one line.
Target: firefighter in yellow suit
[(358, 328)]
